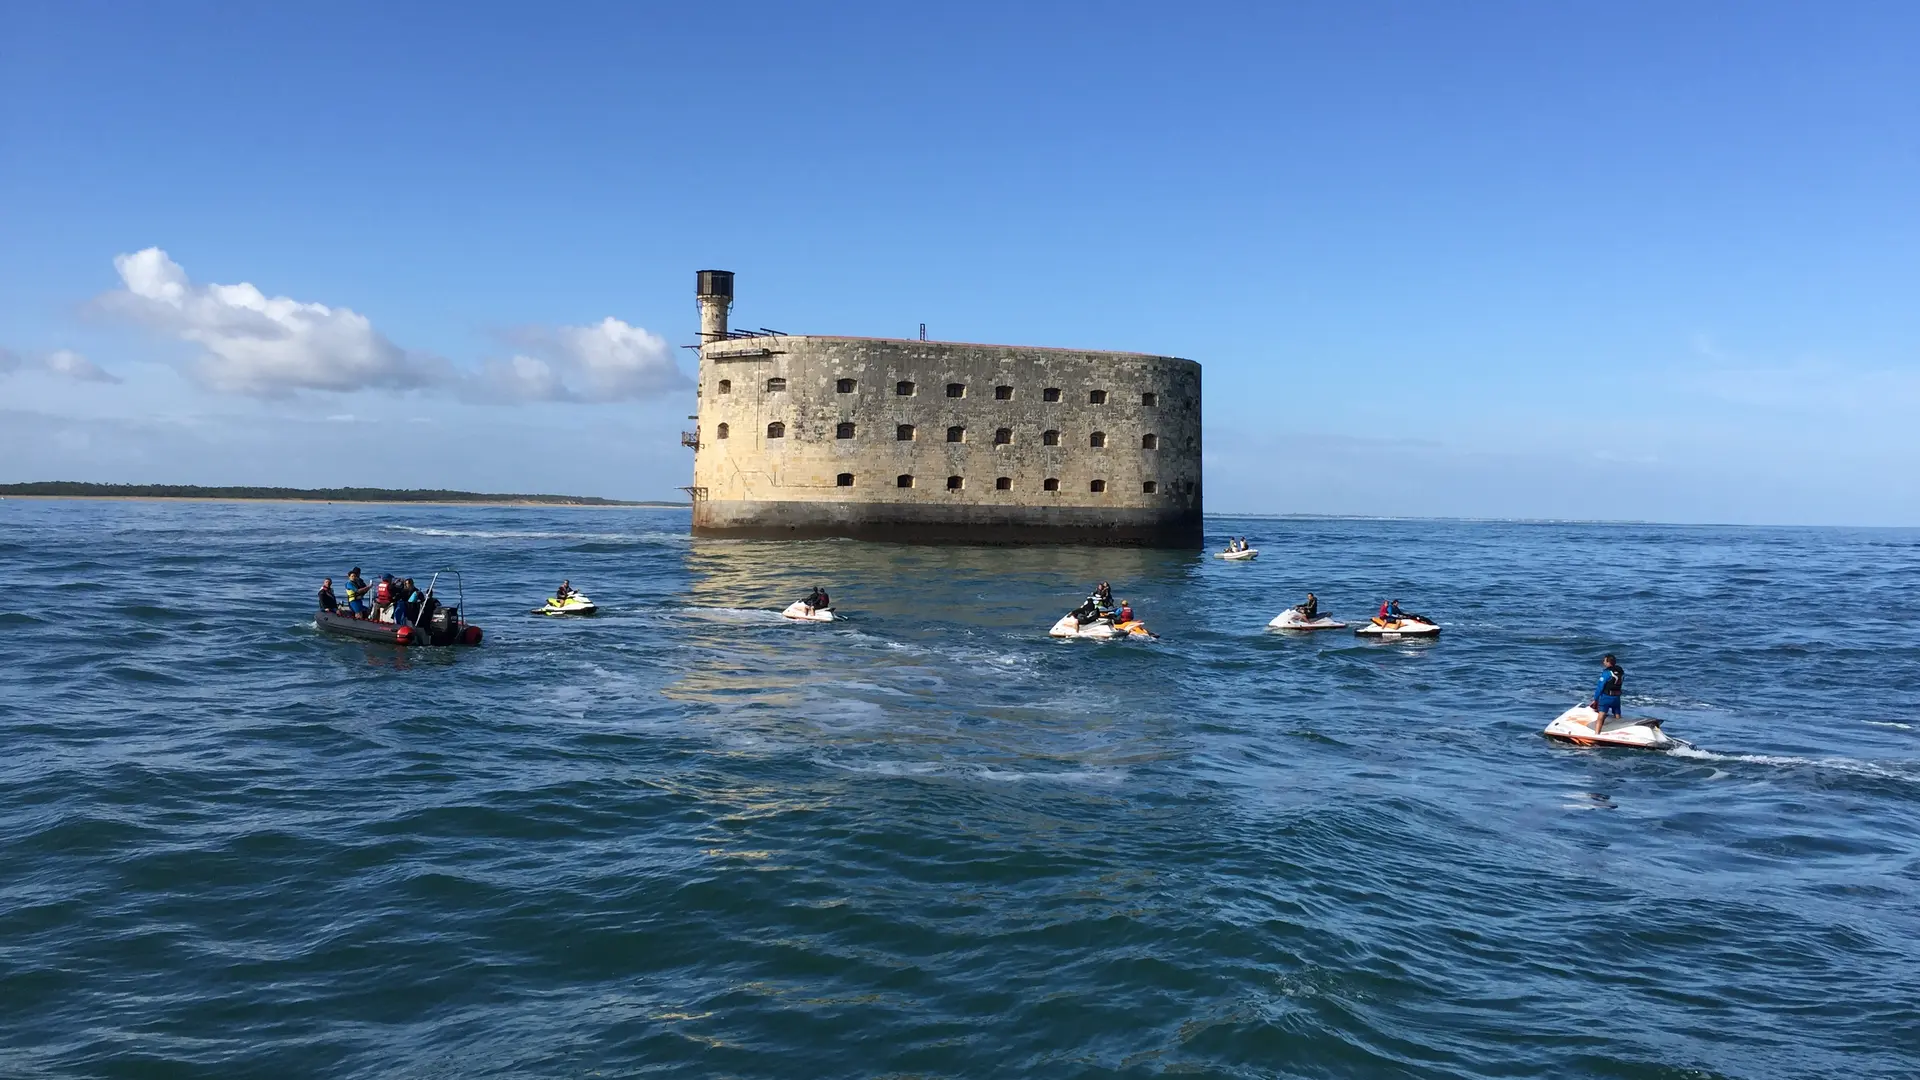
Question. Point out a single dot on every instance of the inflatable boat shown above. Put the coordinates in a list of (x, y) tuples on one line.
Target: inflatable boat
[(434, 624)]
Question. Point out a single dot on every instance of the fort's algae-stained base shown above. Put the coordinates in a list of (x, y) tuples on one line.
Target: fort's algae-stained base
[(690, 838)]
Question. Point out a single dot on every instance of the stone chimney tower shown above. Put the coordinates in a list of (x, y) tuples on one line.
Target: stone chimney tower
[(715, 291)]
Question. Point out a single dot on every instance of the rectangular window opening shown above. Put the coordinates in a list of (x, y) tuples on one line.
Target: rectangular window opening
[(1003, 393), (1003, 483), (845, 479)]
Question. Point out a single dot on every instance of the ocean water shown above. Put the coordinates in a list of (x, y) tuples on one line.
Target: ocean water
[(686, 838)]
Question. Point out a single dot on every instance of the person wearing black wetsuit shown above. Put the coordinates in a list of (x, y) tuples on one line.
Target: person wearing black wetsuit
[(818, 600), (327, 602), (1311, 609)]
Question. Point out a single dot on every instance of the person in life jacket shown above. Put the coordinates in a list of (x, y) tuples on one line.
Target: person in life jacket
[(565, 590), (383, 598), (327, 602), (817, 600), (1606, 692), (1311, 609), (1126, 612), (356, 592)]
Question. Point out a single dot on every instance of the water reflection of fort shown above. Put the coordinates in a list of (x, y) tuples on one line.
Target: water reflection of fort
[(943, 656)]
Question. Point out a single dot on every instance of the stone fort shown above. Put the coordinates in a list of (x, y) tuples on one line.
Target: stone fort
[(935, 441)]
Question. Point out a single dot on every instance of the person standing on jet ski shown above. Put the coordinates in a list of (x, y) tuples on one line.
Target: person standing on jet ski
[(1606, 692), (817, 600)]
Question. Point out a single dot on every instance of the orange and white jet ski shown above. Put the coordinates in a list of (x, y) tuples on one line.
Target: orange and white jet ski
[(1406, 626), (1103, 628), (1582, 726)]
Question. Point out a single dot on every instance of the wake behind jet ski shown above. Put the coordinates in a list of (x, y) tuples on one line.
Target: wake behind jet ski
[(1394, 623)]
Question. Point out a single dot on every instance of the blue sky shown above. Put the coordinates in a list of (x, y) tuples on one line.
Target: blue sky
[(1629, 260)]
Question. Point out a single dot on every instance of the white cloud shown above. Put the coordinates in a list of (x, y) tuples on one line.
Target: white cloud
[(59, 362), (607, 361), (251, 343)]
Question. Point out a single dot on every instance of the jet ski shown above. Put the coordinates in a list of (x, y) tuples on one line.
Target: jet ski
[(798, 611), (1292, 619), (575, 604), (1245, 553), (1407, 626), (1100, 629), (1582, 726)]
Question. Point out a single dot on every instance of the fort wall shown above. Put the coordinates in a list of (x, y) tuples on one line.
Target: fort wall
[(941, 441)]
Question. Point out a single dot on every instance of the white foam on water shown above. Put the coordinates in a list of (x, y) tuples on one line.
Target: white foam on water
[(740, 615), (1104, 777), (1848, 765), (1891, 724)]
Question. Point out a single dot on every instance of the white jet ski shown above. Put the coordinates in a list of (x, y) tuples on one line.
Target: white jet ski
[(574, 604), (1582, 726), (1410, 626), (1292, 619), (798, 611), (1101, 629), (1249, 553)]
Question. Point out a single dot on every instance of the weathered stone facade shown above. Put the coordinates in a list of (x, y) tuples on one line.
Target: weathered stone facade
[(939, 441)]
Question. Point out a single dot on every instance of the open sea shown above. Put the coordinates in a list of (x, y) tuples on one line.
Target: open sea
[(687, 838)]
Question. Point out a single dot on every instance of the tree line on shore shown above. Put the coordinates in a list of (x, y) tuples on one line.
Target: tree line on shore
[(77, 489)]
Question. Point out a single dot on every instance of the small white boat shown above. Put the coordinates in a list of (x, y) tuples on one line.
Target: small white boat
[(1292, 619), (1582, 726), (574, 604), (798, 611), (1101, 629), (1410, 626), (1248, 553)]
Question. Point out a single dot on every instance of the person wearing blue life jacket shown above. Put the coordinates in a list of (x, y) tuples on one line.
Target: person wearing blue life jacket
[(1606, 692)]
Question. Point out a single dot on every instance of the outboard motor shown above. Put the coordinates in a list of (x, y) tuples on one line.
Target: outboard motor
[(445, 620)]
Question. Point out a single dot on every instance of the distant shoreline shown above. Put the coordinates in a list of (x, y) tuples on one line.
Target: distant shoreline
[(68, 489), (497, 503)]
